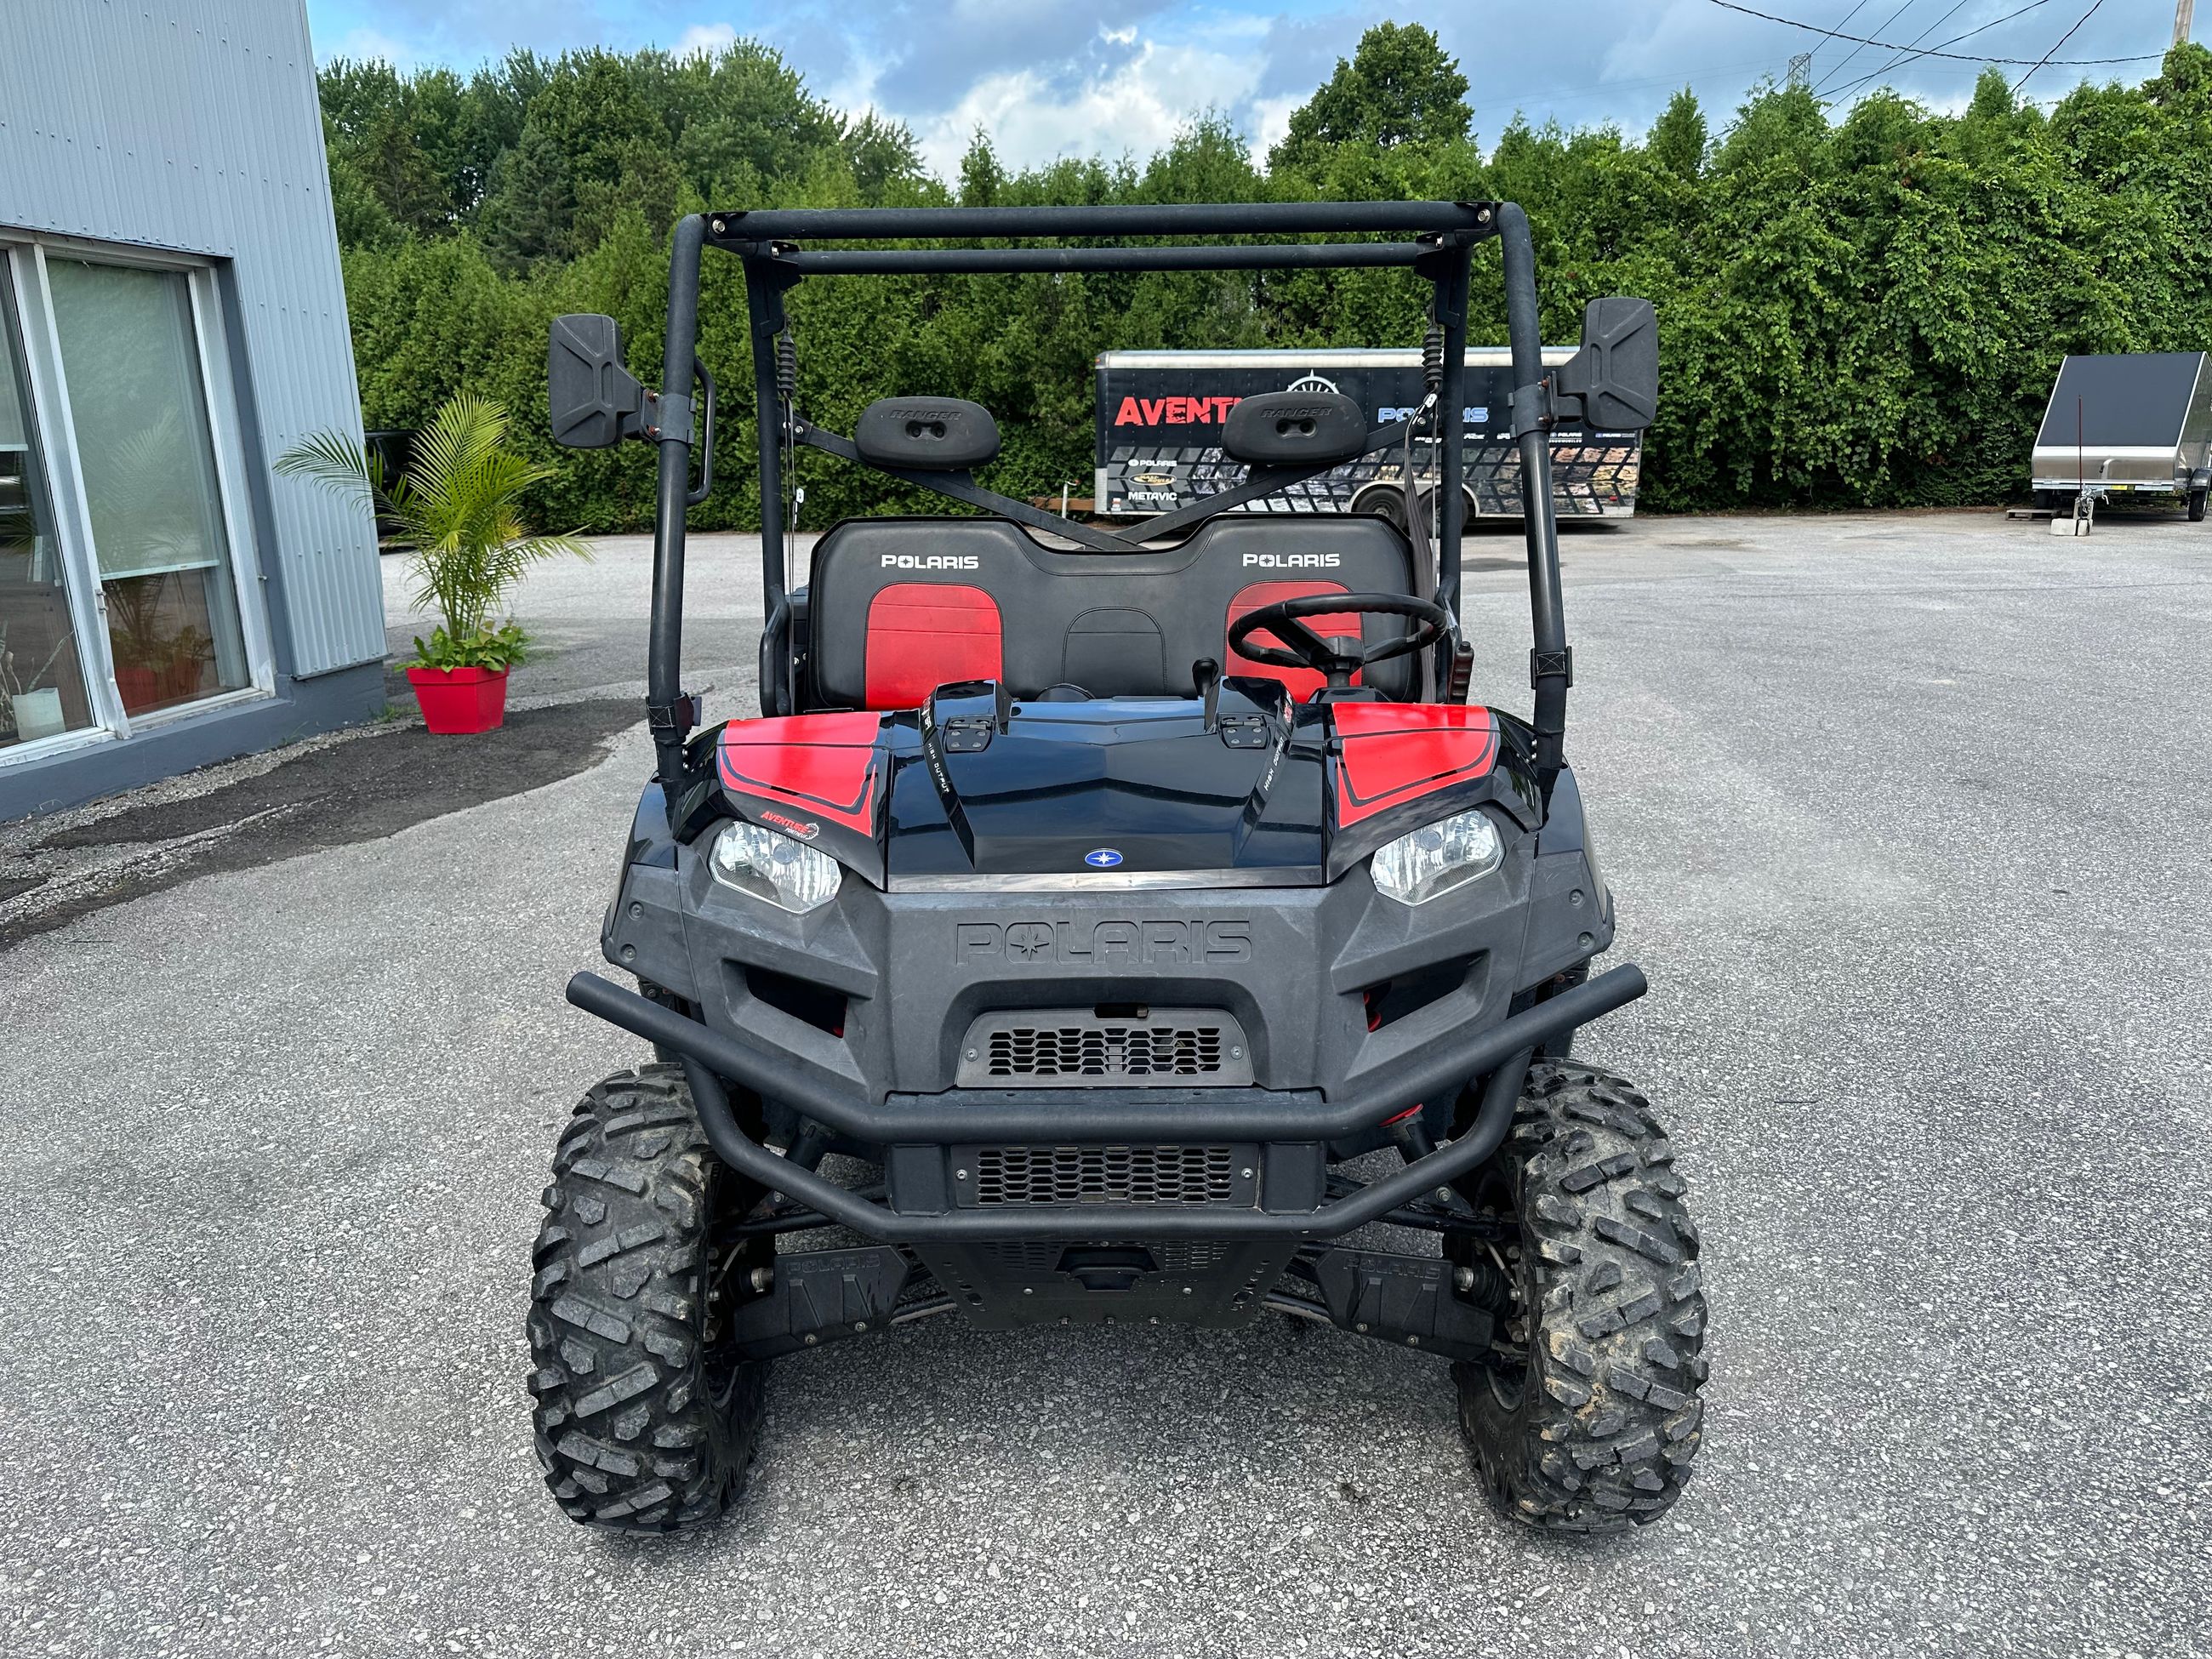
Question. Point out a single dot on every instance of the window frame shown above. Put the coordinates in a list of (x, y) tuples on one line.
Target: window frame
[(23, 267)]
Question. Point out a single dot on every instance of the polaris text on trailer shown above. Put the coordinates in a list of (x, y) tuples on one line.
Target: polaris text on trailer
[(1160, 415), (1098, 895)]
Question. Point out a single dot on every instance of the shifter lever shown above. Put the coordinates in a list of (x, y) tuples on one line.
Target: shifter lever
[(1206, 676)]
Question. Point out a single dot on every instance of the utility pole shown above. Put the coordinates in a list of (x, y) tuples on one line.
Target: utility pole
[(2183, 14)]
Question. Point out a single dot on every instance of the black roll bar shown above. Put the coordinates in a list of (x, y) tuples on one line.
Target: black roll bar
[(668, 708), (1443, 233), (1550, 664), (1164, 219), (1006, 261)]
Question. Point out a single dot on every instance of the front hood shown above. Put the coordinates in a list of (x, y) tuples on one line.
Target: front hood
[(1135, 791), (1140, 786)]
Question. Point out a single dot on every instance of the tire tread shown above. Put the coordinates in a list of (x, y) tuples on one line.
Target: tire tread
[(1610, 1421), (626, 1431)]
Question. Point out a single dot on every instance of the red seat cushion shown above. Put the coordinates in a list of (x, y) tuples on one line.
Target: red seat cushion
[(925, 635), (1301, 683)]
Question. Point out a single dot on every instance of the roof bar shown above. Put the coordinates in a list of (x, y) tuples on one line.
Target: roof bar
[(1258, 256), (1172, 219)]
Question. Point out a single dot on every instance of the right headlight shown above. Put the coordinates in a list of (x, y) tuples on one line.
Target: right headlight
[(789, 873), (1437, 857)]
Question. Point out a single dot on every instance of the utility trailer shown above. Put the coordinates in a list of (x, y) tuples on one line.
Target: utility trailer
[(1160, 415), (2139, 423)]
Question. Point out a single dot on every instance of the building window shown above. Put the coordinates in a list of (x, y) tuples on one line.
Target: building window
[(146, 456), (42, 689), (121, 560)]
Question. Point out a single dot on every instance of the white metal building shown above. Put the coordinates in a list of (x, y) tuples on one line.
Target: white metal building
[(172, 319)]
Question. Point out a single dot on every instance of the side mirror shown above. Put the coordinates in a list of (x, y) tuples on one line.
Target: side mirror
[(594, 399), (1612, 382)]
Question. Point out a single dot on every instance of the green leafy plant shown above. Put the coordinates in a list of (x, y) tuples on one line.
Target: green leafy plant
[(1862, 300), (458, 504)]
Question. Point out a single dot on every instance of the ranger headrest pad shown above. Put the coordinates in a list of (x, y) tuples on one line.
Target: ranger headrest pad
[(927, 435), (1295, 428)]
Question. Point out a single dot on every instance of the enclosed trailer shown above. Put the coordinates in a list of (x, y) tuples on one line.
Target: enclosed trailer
[(2139, 422), (1160, 415)]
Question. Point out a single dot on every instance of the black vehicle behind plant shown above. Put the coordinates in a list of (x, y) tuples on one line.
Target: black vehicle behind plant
[(1105, 894)]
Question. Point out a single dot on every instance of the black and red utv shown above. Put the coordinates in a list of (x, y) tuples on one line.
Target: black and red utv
[(1096, 897)]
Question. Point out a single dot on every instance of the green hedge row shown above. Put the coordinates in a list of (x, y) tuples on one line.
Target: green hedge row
[(1857, 311)]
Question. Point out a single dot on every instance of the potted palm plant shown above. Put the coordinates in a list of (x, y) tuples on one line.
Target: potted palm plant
[(458, 505)]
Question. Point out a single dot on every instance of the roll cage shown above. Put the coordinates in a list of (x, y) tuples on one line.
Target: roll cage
[(1612, 381)]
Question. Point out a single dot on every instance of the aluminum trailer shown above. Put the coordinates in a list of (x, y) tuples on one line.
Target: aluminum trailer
[(1160, 414), (2139, 423)]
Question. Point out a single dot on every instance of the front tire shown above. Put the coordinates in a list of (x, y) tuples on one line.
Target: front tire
[(645, 1418), (1589, 1416)]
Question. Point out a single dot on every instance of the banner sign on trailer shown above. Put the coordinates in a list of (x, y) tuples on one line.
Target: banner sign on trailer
[(1160, 414)]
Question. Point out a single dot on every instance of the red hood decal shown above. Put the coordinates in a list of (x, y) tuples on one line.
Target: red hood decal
[(824, 764), (1390, 753)]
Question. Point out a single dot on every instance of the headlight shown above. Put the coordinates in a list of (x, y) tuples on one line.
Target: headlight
[(1437, 857), (787, 873)]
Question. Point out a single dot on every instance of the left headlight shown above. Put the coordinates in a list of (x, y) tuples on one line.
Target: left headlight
[(1437, 857), (787, 873)]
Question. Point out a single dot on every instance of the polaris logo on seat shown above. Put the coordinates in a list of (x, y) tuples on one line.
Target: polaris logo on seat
[(1295, 561), (932, 562)]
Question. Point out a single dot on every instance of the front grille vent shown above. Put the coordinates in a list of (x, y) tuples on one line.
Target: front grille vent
[(1082, 1049), (1103, 1175), (1103, 1050)]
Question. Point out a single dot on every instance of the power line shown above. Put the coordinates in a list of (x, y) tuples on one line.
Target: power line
[(1969, 35), (2061, 41), (1857, 6), (1855, 50), (1964, 56), (1956, 7)]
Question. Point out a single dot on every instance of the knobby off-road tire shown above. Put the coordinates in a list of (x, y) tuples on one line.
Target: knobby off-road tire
[(646, 1420), (1590, 1420)]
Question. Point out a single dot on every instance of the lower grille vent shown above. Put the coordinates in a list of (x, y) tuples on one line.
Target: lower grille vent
[(1103, 1175)]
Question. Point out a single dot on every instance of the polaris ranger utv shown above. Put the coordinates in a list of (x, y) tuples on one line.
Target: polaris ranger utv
[(1096, 897)]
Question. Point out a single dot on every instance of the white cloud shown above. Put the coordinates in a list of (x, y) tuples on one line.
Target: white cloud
[(1270, 120), (706, 40), (1134, 106), (365, 46)]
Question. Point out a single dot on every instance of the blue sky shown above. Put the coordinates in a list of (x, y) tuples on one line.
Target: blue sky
[(1049, 77)]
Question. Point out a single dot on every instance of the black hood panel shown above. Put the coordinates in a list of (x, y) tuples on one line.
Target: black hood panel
[(981, 785)]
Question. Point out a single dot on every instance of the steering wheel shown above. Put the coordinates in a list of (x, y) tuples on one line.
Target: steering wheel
[(1302, 647)]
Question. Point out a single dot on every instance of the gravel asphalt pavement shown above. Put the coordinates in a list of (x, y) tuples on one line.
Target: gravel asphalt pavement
[(1907, 820)]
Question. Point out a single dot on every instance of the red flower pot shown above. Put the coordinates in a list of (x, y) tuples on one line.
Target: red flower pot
[(148, 688), (457, 700)]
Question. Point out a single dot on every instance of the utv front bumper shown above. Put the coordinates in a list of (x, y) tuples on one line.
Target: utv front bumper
[(1264, 1176)]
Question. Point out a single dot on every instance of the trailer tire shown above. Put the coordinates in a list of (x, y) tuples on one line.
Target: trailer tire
[(2196, 501), (1588, 1419), (1384, 501), (645, 1420)]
